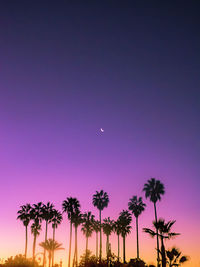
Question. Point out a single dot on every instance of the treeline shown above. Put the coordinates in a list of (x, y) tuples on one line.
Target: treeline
[(39, 212)]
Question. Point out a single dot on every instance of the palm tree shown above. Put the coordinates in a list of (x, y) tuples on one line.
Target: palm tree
[(77, 220), (70, 206), (174, 257), (47, 215), (50, 245), (164, 232), (87, 228), (107, 229), (153, 190), (24, 216), (125, 221), (137, 206), (35, 230), (56, 220), (96, 228), (117, 227), (36, 216), (100, 200)]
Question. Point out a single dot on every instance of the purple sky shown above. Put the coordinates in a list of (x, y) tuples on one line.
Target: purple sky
[(66, 70)]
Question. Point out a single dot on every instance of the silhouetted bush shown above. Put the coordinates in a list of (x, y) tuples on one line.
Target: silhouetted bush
[(20, 261), (137, 263)]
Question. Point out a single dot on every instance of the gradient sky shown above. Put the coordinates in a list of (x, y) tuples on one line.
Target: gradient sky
[(66, 70)]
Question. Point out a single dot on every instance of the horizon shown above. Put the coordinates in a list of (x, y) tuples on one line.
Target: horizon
[(71, 70)]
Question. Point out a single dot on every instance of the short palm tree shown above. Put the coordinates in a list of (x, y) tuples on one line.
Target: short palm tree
[(70, 206), (24, 216), (96, 228), (47, 215), (77, 220), (35, 230), (107, 229), (175, 258), (136, 206), (117, 228), (87, 228), (125, 221), (50, 245), (153, 190), (100, 200), (56, 220), (164, 232)]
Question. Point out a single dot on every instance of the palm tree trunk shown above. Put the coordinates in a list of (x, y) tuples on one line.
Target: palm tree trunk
[(137, 238), (124, 250), (34, 245), (107, 247), (97, 245), (70, 244), (49, 259), (44, 257), (158, 256), (53, 242), (163, 253), (86, 251), (76, 250), (26, 242), (118, 248), (100, 251)]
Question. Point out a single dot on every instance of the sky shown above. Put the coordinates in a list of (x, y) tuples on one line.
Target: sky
[(67, 70)]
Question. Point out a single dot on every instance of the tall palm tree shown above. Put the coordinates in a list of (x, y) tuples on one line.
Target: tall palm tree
[(35, 230), (24, 216), (56, 220), (70, 206), (164, 232), (100, 200), (77, 220), (36, 216), (153, 190), (47, 215), (136, 206), (50, 245), (87, 228), (107, 229), (125, 221), (175, 258), (96, 228), (117, 227)]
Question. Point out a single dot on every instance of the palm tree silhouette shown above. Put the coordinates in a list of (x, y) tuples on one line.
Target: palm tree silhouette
[(77, 220), (175, 258), (125, 221), (47, 215), (36, 216), (137, 206), (107, 229), (50, 245), (117, 227), (164, 232), (24, 216), (70, 206), (96, 228), (153, 190), (56, 220), (35, 230), (100, 200), (87, 228)]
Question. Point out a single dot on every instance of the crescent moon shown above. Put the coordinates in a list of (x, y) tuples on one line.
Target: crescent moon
[(102, 130)]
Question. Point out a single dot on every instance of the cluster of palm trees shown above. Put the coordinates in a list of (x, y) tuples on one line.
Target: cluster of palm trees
[(36, 214), (153, 189)]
